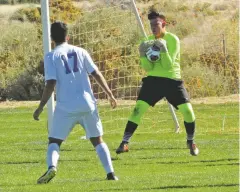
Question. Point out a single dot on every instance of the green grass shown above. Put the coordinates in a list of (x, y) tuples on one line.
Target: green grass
[(158, 160)]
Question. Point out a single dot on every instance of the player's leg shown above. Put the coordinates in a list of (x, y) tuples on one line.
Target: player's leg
[(94, 131), (52, 160), (189, 122), (132, 124), (104, 156), (61, 127), (148, 96), (177, 95)]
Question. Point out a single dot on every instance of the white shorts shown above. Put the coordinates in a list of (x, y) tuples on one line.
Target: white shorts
[(63, 123)]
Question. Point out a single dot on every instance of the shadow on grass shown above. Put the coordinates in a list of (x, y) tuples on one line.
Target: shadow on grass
[(191, 186), (20, 163), (158, 148), (211, 165), (173, 187), (32, 149), (186, 162), (56, 182), (62, 160), (17, 185), (200, 161)]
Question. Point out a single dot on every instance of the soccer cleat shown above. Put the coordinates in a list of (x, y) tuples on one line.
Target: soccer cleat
[(48, 176), (193, 148), (123, 147), (111, 176)]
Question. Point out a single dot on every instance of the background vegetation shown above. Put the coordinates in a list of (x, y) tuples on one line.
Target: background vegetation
[(111, 35)]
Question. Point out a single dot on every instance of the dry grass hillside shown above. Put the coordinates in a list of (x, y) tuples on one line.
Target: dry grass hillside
[(204, 27)]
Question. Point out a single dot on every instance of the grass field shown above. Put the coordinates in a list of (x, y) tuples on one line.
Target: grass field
[(158, 160)]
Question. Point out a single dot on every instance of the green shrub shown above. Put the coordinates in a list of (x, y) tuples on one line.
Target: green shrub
[(204, 8), (220, 7), (21, 50), (27, 86), (63, 10), (183, 8), (28, 1), (59, 9), (5, 2), (112, 42), (202, 81), (30, 14), (235, 16)]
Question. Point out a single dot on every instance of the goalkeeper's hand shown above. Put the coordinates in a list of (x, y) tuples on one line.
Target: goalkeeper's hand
[(153, 53), (143, 48), (161, 44)]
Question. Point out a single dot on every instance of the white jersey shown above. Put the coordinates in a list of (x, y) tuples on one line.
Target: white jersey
[(70, 66)]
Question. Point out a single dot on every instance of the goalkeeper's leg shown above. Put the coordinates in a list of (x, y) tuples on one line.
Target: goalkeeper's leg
[(189, 122), (132, 124)]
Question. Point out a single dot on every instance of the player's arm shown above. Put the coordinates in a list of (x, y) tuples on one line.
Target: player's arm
[(97, 75), (47, 92), (50, 78), (144, 62), (169, 53)]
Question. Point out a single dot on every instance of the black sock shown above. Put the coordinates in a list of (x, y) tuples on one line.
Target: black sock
[(129, 130), (190, 130)]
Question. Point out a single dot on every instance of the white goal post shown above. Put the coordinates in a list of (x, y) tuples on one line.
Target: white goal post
[(46, 49)]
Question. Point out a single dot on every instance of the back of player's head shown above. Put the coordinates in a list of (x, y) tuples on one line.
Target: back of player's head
[(59, 31), (154, 14)]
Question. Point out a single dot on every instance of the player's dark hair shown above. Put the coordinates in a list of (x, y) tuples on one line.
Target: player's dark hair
[(155, 14), (59, 32)]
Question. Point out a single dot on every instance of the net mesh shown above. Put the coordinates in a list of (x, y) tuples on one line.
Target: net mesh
[(109, 31)]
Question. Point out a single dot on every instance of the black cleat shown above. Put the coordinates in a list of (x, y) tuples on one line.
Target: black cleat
[(194, 151), (111, 176), (123, 147), (48, 176)]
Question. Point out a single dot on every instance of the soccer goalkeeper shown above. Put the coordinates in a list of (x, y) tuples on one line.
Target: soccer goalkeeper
[(160, 58)]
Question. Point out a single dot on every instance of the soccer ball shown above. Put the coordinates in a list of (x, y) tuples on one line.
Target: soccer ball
[(153, 53)]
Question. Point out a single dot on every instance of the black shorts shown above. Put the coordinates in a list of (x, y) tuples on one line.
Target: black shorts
[(156, 88)]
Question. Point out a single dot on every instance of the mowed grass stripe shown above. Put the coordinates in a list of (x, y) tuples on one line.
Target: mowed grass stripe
[(158, 159)]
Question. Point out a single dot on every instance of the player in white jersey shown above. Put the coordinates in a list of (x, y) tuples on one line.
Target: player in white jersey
[(68, 67)]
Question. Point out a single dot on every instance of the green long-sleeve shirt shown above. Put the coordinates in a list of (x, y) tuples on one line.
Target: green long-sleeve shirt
[(169, 64)]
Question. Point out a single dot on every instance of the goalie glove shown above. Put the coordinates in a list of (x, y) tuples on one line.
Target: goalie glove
[(143, 47), (149, 50), (153, 53), (161, 44)]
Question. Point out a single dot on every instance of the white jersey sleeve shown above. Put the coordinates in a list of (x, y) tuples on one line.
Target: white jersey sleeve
[(88, 63), (49, 67)]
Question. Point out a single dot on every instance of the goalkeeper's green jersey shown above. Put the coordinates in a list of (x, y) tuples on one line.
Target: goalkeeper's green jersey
[(169, 64)]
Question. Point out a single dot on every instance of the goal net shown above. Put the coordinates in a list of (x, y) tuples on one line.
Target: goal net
[(110, 32)]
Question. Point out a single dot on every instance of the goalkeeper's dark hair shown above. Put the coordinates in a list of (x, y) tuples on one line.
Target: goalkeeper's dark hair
[(154, 14), (59, 31)]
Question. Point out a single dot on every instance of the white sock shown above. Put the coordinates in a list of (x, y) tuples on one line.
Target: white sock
[(105, 157), (52, 154)]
